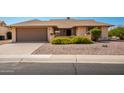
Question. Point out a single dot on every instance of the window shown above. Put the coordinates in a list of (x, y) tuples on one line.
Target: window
[(2, 37)]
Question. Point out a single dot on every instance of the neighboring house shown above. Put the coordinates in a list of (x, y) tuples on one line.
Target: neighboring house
[(3, 30), (36, 30)]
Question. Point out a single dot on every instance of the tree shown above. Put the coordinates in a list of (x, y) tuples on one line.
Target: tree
[(95, 34), (118, 32)]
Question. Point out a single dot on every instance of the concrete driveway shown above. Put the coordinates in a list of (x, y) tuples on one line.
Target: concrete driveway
[(19, 48)]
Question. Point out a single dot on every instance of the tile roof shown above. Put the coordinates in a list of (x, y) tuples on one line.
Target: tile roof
[(2, 22), (63, 23)]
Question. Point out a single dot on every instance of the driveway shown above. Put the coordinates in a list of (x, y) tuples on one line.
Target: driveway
[(19, 48)]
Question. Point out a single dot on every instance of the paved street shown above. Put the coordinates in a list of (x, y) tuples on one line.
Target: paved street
[(62, 65), (61, 69)]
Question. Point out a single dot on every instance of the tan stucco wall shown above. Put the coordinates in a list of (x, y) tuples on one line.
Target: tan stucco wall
[(104, 35), (49, 31), (13, 30), (3, 31), (81, 31), (73, 31)]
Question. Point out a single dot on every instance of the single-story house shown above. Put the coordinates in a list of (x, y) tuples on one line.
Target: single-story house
[(37, 30), (3, 30)]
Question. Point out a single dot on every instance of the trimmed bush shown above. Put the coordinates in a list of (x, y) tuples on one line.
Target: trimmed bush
[(56, 41), (72, 40), (65, 41), (87, 40), (118, 32), (95, 34), (76, 39), (81, 40), (60, 40)]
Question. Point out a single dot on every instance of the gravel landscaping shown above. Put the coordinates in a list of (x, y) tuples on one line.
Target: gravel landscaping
[(98, 48)]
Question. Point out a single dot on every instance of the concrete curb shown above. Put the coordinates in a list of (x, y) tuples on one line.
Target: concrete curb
[(101, 59)]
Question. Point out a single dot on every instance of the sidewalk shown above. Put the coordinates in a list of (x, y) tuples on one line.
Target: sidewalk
[(111, 59)]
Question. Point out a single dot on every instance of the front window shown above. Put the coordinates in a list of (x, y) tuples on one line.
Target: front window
[(63, 32), (57, 32)]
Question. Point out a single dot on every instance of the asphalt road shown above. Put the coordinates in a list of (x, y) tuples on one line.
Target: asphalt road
[(61, 69)]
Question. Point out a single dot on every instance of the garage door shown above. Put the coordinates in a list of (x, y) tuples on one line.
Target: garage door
[(31, 34)]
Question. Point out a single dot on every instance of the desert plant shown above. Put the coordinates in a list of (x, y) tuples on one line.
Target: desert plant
[(95, 34)]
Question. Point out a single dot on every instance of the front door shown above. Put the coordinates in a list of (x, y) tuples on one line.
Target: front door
[(68, 32)]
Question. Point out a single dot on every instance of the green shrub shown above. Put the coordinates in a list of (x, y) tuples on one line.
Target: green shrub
[(118, 32), (76, 40), (72, 40), (56, 41), (65, 41), (95, 34), (86, 40), (81, 40), (60, 40)]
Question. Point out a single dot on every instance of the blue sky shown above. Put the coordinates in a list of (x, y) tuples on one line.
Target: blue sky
[(110, 20)]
